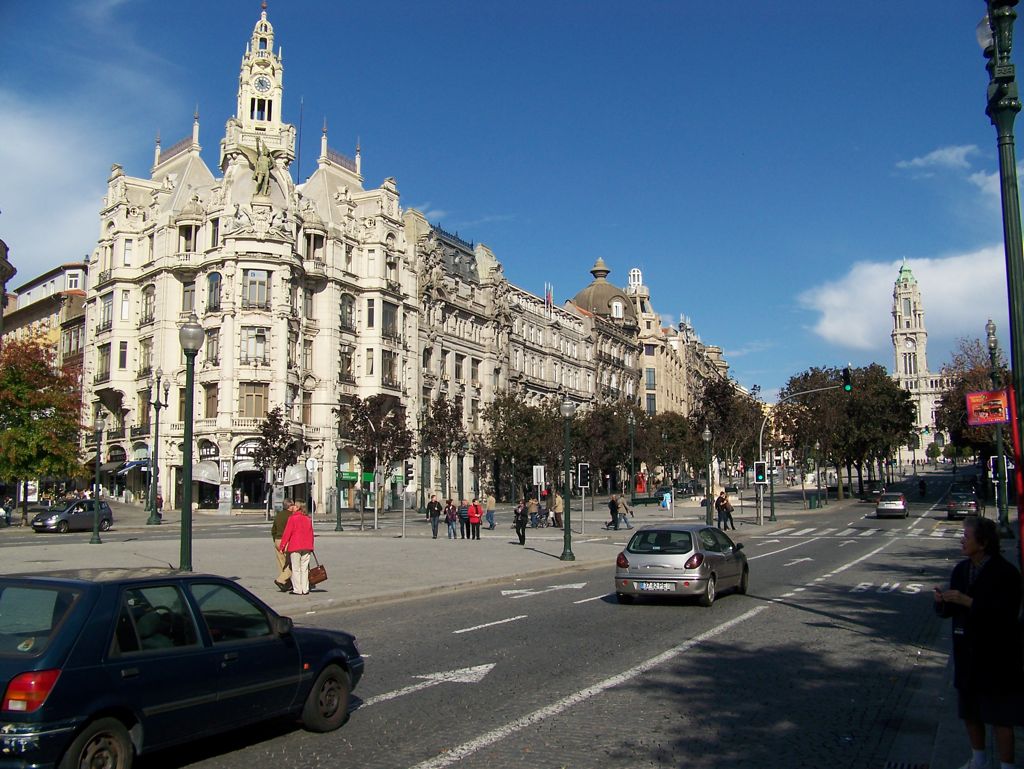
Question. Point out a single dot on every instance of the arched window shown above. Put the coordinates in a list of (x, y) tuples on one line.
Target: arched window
[(148, 305), (348, 312), (213, 283), (616, 309)]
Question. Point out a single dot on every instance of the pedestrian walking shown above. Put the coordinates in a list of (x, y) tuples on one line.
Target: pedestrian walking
[(489, 505), (464, 520), (613, 511), (284, 570), (451, 517), (984, 602), (434, 513), (297, 541), (557, 507), (724, 509), (533, 511), (625, 512), (476, 514), (519, 519)]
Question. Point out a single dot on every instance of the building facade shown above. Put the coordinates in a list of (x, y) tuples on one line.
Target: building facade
[(51, 307)]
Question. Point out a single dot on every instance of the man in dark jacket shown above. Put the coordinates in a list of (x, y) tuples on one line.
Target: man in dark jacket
[(434, 513), (283, 580), (983, 600)]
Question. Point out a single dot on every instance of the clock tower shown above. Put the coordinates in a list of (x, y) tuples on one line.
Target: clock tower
[(257, 117), (909, 336)]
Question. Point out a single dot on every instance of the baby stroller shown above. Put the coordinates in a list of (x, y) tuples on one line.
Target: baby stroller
[(539, 519)]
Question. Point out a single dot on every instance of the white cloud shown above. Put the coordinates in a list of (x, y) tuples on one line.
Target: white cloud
[(959, 292), (944, 157), (754, 346), (431, 214)]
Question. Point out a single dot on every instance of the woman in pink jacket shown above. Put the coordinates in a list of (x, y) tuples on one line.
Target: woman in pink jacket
[(297, 542)]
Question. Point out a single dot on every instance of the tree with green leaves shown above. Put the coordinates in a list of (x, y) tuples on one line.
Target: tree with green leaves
[(443, 434), (276, 448), (733, 417), (969, 371), (40, 407), (376, 429), (520, 435)]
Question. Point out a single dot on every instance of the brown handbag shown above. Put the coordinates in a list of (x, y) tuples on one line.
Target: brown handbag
[(318, 573)]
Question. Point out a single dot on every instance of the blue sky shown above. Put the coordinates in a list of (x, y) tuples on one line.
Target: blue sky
[(767, 165)]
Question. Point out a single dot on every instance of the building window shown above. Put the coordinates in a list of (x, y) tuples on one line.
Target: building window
[(649, 349), (145, 355), (148, 305), (107, 310), (307, 354), (474, 414), (651, 405), (252, 399), (103, 364), (617, 309), (389, 319), (369, 313), (129, 247), (307, 408), (345, 364), (122, 355), (254, 345), (213, 346), (213, 286), (428, 355), (142, 409), (256, 289), (389, 368), (187, 238), (649, 372), (210, 400), (369, 361), (459, 359), (307, 303), (214, 233), (314, 244), (126, 304), (474, 371), (74, 280), (188, 297), (293, 351), (348, 313)]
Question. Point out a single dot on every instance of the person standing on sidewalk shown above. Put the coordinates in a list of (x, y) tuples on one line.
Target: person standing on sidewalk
[(297, 541), (284, 571), (464, 520), (434, 513), (613, 511), (451, 516), (533, 512), (625, 512), (519, 519), (490, 504), (556, 508), (983, 600), (476, 514)]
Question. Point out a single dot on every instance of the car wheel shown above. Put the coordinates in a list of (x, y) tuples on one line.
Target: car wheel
[(623, 598), (326, 706), (104, 742), (62, 527), (744, 582), (708, 596), (105, 524)]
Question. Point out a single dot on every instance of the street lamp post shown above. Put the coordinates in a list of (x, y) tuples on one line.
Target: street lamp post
[(817, 468), (631, 419), (460, 473), (95, 540), (190, 336), (995, 35), (568, 409), (706, 436), (154, 469), (337, 488), (421, 417), (1000, 468)]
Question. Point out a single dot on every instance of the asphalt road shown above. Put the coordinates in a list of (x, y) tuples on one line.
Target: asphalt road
[(820, 665)]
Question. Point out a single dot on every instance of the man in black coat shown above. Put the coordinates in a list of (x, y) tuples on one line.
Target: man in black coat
[(983, 600)]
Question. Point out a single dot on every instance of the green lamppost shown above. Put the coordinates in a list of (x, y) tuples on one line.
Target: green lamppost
[(568, 409), (337, 488), (421, 417), (191, 336), (1000, 467), (817, 468), (706, 437), (995, 35), (99, 424), (154, 469), (460, 471), (631, 420)]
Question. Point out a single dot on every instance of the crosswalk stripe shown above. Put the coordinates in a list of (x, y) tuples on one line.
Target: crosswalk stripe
[(938, 533), (868, 532), (825, 532), (846, 532), (783, 531), (803, 531)]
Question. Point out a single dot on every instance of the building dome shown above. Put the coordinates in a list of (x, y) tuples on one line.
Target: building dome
[(604, 299)]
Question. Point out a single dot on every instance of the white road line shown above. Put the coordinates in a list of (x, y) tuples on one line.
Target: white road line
[(782, 531), (489, 624), (458, 753), (937, 533), (823, 532), (595, 598), (466, 749), (868, 532), (782, 550), (846, 532), (802, 532)]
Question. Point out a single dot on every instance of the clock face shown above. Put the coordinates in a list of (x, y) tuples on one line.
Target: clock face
[(910, 344), (262, 84)]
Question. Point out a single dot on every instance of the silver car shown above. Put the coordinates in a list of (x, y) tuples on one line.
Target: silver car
[(680, 560), (891, 503), (77, 516)]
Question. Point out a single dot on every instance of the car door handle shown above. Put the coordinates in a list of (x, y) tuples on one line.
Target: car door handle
[(129, 672), (229, 657)]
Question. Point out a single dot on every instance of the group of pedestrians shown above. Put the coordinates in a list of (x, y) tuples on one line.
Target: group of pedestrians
[(620, 512), (468, 515), (724, 509), (292, 533)]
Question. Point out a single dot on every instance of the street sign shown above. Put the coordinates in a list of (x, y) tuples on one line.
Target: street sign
[(992, 464), (311, 464), (988, 407), (538, 475)]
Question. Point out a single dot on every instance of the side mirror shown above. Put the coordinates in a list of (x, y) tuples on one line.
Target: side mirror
[(283, 626), (739, 545)]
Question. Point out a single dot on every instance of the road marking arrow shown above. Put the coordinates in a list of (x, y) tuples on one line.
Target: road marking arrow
[(473, 675), (523, 593), (844, 543), (769, 541), (795, 561)]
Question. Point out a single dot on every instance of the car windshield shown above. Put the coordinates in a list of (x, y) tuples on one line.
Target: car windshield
[(29, 617), (891, 497), (654, 541)]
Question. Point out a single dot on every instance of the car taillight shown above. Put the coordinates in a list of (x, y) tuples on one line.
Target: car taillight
[(28, 691), (951, 504), (621, 561), (694, 561)]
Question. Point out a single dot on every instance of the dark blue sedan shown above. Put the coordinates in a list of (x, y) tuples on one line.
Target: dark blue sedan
[(104, 664)]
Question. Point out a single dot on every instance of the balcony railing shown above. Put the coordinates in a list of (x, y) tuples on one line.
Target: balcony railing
[(246, 423), (392, 334), (390, 383), (213, 306), (104, 277), (115, 434), (101, 377), (394, 287), (144, 371), (206, 425), (347, 325), (247, 360), (145, 320), (315, 266), (104, 325), (255, 304), (140, 431), (346, 378)]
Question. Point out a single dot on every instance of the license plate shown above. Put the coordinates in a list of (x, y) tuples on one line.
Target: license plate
[(656, 586)]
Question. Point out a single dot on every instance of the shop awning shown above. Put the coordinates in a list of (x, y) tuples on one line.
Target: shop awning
[(294, 475), (110, 467), (141, 464), (206, 472)]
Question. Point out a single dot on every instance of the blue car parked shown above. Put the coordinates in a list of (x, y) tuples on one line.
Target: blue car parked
[(100, 665)]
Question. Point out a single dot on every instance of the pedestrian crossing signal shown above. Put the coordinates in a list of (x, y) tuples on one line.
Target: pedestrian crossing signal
[(408, 474), (847, 380), (583, 476), (760, 472)]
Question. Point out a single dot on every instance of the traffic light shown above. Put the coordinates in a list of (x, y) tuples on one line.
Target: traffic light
[(583, 476), (408, 472), (760, 472), (847, 380)]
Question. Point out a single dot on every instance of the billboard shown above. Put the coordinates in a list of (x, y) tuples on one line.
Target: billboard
[(989, 407)]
